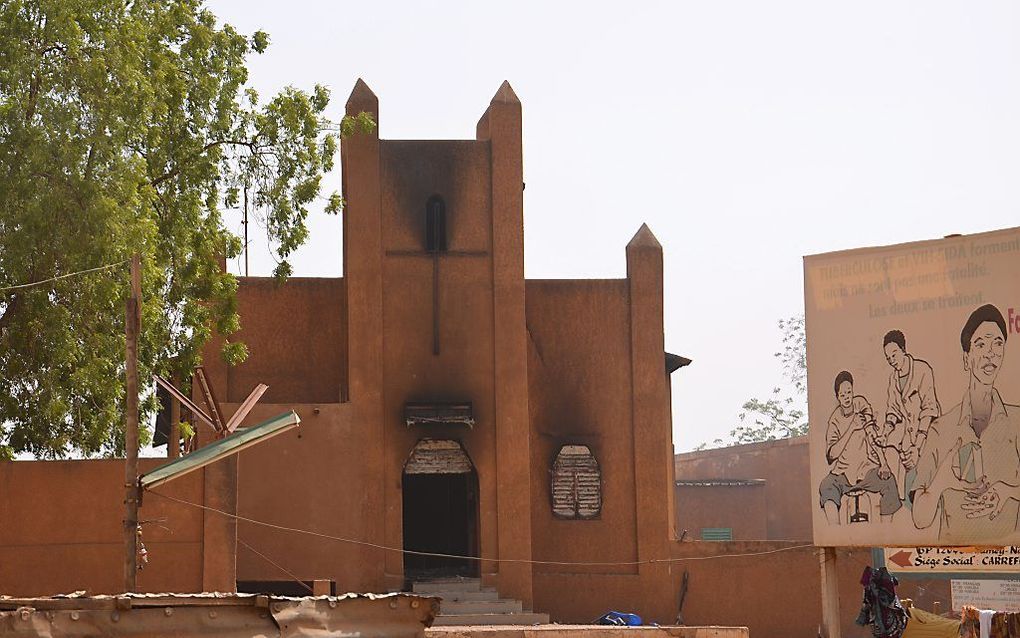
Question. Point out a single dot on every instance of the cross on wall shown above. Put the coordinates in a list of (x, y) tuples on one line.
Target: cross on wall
[(436, 256)]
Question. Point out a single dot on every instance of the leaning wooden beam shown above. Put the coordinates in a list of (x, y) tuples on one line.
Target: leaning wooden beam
[(210, 398), (246, 406), (180, 396)]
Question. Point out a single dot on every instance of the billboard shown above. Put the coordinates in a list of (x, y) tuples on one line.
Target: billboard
[(913, 360)]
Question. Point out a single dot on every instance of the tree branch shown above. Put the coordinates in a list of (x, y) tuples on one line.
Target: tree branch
[(211, 145)]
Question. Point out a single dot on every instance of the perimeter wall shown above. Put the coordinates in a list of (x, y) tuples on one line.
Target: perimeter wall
[(61, 529)]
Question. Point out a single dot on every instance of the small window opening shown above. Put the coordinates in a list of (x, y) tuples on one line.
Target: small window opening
[(576, 483), (716, 533), (435, 224)]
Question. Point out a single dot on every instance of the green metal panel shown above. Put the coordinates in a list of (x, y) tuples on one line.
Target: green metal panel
[(716, 533), (213, 452)]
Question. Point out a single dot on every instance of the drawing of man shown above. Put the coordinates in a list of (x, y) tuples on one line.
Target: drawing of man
[(854, 460), (911, 406), (969, 472)]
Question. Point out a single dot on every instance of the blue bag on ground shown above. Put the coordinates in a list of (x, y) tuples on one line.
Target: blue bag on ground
[(619, 619)]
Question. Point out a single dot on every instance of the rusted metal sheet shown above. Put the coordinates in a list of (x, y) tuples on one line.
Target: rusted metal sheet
[(438, 456), (439, 413), (576, 483), (402, 616), (221, 615)]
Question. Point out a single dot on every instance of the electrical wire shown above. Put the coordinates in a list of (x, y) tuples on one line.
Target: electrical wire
[(412, 552), (276, 565), (64, 276)]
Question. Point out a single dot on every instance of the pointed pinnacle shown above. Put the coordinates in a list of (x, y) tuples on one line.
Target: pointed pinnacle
[(363, 98), (505, 95), (644, 238)]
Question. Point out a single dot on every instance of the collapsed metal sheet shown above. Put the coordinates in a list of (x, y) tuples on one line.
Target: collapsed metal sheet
[(221, 615), (439, 413), (359, 617)]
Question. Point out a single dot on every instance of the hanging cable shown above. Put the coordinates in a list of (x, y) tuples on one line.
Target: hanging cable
[(276, 565), (64, 276), (412, 552)]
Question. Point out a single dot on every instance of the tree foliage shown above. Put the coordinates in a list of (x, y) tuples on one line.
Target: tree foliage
[(784, 414), (125, 126)]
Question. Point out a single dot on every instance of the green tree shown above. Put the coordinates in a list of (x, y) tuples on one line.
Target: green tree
[(784, 414), (125, 126)]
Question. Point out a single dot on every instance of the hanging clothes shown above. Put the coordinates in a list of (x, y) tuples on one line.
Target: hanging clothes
[(923, 624), (970, 621), (881, 607), (1005, 625), (985, 623)]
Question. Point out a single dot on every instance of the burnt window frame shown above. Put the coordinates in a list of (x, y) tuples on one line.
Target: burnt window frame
[(435, 224), (575, 501)]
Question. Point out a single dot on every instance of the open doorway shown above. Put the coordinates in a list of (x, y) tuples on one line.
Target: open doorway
[(440, 508)]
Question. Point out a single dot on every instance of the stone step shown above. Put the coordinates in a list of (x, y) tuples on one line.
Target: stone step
[(503, 606), (525, 618), (447, 585), (486, 593)]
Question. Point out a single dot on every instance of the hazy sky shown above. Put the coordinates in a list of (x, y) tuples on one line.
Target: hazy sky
[(746, 134)]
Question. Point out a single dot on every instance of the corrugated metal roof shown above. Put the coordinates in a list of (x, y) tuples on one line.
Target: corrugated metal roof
[(217, 450)]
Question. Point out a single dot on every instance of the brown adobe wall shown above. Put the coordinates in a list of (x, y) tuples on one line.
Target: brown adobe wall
[(296, 337), (61, 529), (313, 478), (480, 301), (784, 466), (775, 595), (597, 370), (463, 370), (580, 393), (742, 508), (778, 595)]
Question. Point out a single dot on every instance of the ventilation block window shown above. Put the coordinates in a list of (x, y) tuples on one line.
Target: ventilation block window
[(576, 483), (435, 224), (716, 533)]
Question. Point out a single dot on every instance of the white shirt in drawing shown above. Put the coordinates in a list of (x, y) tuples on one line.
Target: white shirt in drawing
[(995, 455), (858, 456), (910, 399)]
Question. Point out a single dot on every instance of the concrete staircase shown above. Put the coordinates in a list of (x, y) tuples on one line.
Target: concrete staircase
[(466, 602)]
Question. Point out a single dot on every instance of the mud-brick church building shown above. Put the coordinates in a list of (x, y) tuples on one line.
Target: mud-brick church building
[(448, 405)]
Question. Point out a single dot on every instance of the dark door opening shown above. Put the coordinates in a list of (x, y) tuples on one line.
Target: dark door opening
[(440, 516)]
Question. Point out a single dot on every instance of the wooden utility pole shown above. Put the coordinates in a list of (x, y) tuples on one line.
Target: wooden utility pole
[(173, 441), (132, 493), (830, 592)]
